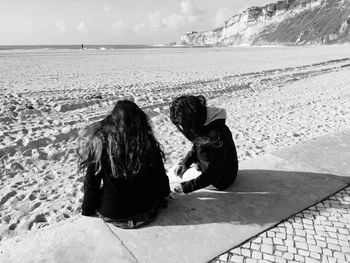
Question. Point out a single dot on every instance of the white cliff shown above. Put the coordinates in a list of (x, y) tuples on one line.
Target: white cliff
[(284, 22)]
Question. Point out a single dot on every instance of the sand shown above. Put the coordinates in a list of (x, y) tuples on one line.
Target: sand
[(274, 97)]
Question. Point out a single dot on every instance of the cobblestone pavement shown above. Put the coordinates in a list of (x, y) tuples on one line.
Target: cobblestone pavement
[(317, 234)]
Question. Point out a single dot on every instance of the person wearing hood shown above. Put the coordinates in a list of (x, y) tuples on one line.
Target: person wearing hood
[(213, 150)]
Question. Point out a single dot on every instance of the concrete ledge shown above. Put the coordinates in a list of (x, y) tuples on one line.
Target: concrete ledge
[(199, 226)]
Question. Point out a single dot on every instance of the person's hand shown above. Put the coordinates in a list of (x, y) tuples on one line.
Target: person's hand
[(176, 188), (180, 170)]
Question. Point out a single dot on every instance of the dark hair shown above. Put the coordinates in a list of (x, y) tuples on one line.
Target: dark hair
[(188, 113), (125, 137)]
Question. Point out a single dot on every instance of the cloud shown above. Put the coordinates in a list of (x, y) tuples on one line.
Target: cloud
[(173, 21), (187, 7), (106, 8), (155, 20), (119, 26), (82, 27), (222, 14), (189, 14), (61, 26), (139, 27)]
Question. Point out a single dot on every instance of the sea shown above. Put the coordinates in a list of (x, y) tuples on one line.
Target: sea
[(89, 47)]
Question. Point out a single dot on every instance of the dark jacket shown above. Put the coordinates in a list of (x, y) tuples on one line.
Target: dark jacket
[(215, 153), (120, 198)]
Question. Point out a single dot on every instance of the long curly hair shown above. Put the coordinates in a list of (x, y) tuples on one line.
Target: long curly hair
[(124, 137), (188, 113)]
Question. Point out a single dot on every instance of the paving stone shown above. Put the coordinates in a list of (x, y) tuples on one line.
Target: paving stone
[(299, 232), (343, 243), (319, 228), (290, 231), (324, 259), (304, 253), (224, 257), (281, 235), (330, 229), (301, 245), (334, 247), (299, 258), (281, 248), (280, 260), (277, 241), (338, 224), (255, 246), (299, 239), (332, 241), (333, 235), (327, 252), (315, 255), (257, 240), (237, 259), (257, 255), (310, 231), (318, 234), (289, 243), (343, 237), (346, 250), (267, 241), (288, 256), (314, 248), (310, 241), (278, 253), (292, 250), (267, 248), (339, 255), (236, 251), (298, 226), (282, 232), (311, 260), (269, 257), (308, 227), (321, 243), (246, 245), (271, 234), (245, 252), (321, 238)]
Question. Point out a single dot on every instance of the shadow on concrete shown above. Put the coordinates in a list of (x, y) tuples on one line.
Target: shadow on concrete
[(256, 197)]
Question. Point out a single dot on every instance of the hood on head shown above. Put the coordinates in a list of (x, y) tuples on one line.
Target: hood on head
[(214, 114)]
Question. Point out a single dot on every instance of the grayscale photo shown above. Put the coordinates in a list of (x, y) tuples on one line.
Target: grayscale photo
[(174, 131)]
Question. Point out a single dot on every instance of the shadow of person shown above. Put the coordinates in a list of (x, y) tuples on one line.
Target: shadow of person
[(257, 197)]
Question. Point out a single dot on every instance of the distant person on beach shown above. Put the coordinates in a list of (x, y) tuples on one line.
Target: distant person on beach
[(213, 151), (82, 46), (123, 152)]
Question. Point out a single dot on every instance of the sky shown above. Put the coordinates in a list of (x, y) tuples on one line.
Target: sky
[(119, 22)]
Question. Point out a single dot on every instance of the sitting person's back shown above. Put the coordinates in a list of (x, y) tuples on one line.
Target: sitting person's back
[(124, 154)]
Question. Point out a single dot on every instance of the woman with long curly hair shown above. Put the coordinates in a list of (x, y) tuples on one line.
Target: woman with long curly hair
[(122, 151), (213, 151)]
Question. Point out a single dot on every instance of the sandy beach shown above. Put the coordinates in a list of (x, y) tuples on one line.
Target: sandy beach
[(274, 97)]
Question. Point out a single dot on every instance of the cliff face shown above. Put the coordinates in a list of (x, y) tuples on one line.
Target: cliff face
[(292, 22)]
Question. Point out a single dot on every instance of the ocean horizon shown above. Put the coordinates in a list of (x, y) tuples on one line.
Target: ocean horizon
[(89, 47)]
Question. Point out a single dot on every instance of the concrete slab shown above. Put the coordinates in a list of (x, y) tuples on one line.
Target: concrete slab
[(199, 226), (83, 240), (327, 154)]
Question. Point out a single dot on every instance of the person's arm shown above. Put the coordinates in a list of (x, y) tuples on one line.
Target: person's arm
[(190, 158), (160, 179), (92, 184), (216, 160)]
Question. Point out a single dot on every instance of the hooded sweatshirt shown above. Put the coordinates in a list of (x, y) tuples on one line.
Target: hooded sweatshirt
[(214, 152)]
